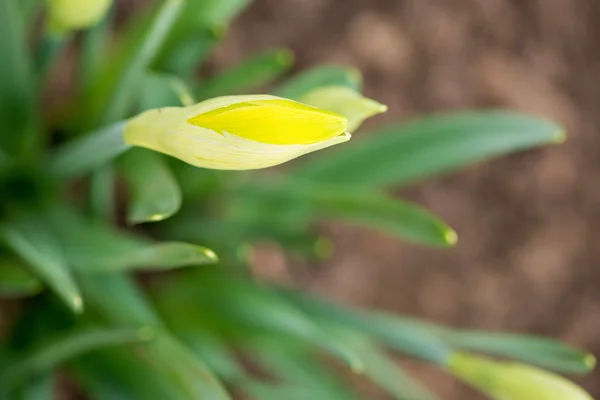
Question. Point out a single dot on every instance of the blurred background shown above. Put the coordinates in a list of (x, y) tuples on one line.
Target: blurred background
[(528, 225)]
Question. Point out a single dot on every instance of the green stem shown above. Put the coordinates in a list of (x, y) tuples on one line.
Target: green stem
[(89, 152)]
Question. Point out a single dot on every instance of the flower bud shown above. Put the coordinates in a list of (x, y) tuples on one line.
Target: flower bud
[(513, 381), (237, 132)]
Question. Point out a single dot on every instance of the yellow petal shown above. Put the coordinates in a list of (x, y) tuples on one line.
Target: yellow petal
[(256, 131), (273, 121), (345, 101), (513, 381)]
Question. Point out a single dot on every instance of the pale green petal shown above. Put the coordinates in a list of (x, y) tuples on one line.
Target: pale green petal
[(345, 101)]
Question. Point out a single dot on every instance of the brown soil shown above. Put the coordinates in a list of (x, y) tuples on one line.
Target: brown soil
[(529, 224)]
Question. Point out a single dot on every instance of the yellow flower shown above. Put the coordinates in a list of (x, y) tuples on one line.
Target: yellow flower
[(237, 132), (68, 15), (513, 381)]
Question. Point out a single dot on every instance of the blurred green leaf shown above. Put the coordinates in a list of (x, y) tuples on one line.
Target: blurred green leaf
[(107, 293), (179, 362), (40, 387), (301, 202), (130, 78), (386, 374), (546, 353), (53, 354), (185, 56), (94, 48), (87, 153), (242, 304), (164, 90), (263, 391), (404, 153), (29, 10), (318, 77), (92, 247), (34, 241), (119, 374), (214, 352), (16, 280), (258, 70), (162, 369), (154, 192), (416, 340), (199, 26), (102, 193), (298, 369), (16, 81), (211, 12), (381, 369), (48, 50)]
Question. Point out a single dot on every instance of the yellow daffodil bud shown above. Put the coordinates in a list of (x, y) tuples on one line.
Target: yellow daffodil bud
[(68, 15), (345, 101), (513, 381), (237, 132)]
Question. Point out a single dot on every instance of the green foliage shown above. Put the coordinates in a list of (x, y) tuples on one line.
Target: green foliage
[(81, 214)]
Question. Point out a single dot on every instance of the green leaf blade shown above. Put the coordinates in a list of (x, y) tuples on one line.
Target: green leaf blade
[(401, 154), (34, 241), (16, 81), (318, 77), (92, 247), (254, 72), (155, 193), (128, 83), (546, 353), (298, 202), (59, 351)]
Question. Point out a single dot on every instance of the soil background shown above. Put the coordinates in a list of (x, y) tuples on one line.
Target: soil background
[(528, 258)]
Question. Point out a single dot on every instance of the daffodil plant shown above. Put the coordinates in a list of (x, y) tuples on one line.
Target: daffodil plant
[(127, 224)]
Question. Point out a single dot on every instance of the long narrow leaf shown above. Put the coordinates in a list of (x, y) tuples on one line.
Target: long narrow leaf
[(404, 153), (185, 56), (298, 202), (164, 90), (296, 368), (40, 387), (254, 72), (93, 247), (318, 77), (541, 351), (200, 24), (16, 82), (59, 351), (34, 241), (237, 303), (106, 293), (163, 369), (154, 192), (128, 84), (417, 340), (89, 152)]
